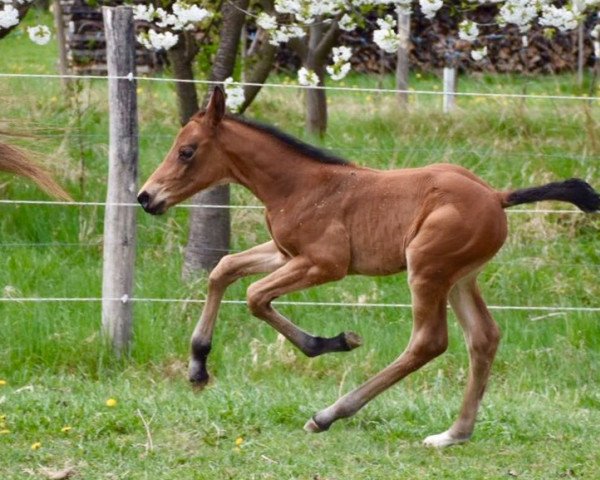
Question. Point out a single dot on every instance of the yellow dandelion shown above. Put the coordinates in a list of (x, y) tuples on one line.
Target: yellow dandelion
[(239, 441), (3, 382), (36, 446), (111, 402), (5, 431), (66, 429)]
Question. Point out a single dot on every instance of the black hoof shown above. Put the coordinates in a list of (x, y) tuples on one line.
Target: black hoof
[(351, 339), (312, 426), (343, 342), (197, 375)]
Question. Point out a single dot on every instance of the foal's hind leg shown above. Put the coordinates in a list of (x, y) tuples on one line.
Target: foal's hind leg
[(298, 274), (482, 336), (260, 259), (428, 340)]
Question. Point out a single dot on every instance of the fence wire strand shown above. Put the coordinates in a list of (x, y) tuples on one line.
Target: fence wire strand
[(233, 207), (126, 299), (131, 77)]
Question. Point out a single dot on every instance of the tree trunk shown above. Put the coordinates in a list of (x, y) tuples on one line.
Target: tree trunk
[(181, 57), (262, 65), (316, 98), (210, 228), (316, 105)]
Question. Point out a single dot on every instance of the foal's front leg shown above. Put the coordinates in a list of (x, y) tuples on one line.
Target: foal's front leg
[(298, 274), (263, 258)]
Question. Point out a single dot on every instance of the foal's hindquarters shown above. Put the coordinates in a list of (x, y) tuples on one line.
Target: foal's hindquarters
[(450, 247)]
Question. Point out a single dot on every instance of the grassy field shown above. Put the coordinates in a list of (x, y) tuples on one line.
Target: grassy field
[(540, 418)]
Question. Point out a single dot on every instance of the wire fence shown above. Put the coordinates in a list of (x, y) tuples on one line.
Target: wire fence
[(233, 207), (127, 299), (131, 77), (530, 308)]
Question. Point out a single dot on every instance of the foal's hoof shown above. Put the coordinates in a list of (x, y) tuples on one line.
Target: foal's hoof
[(197, 375), (199, 383), (442, 440), (313, 427), (353, 340)]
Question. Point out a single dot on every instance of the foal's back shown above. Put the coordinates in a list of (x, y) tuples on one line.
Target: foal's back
[(384, 211)]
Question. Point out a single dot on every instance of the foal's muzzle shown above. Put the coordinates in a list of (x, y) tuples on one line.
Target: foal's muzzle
[(150, 207)]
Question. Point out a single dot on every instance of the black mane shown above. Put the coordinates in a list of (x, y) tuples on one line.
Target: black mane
[(299, 146)]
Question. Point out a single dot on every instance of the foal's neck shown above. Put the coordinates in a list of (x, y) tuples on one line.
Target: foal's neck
[(272, 170)]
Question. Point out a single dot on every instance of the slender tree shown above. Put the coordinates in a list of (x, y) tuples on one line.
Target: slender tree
[(210, 228)]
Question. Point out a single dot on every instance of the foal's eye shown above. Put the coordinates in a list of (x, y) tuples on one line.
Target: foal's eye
[(186, 153)]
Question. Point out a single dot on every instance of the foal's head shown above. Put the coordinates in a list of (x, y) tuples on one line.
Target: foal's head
[(195, 161)]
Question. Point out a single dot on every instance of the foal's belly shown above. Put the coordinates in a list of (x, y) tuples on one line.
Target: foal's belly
[(378, 248)]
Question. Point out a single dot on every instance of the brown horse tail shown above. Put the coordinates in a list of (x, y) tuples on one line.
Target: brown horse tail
[(574, 190), (13, 160)]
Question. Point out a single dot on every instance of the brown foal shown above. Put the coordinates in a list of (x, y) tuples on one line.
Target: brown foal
[(329, 218)]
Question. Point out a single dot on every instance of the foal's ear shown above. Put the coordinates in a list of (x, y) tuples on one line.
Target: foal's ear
[(216, 107)]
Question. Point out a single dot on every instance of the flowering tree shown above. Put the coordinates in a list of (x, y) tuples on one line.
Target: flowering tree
[(11, 14), (312, 29)]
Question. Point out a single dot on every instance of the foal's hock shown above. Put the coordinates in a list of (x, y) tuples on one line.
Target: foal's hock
[(329, 218)]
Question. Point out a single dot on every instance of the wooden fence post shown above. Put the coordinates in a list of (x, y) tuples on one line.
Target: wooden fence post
[(62, 46), (402, 65), (120, 220), (449, 89)]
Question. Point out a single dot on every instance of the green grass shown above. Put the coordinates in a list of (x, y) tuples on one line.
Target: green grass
[(540, 418)]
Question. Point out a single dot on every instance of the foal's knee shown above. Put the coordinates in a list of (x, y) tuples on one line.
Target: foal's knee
[(258, 301), (221, 275), (427, 346), (485, 342)]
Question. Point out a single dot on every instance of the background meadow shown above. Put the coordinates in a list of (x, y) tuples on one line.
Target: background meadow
[(540, 417)]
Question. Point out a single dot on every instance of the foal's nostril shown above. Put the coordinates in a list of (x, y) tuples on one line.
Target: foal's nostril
[(144, 199)]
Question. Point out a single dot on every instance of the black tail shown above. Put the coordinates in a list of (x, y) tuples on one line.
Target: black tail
[(574, 190)]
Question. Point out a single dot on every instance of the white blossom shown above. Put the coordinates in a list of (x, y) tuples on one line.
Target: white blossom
[(386, 37), (341, 66), (284, 33), (266, 21), (595, 33), (479, 54), (338, 71), (347, 23), (9, 16), (468, 30), (430, 7), (307, 77), (165, 19), (561, 18), (154, 40), (187, 14), (145, 13), (234, 95), (291, 7), (519, 12), (39, 34)]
